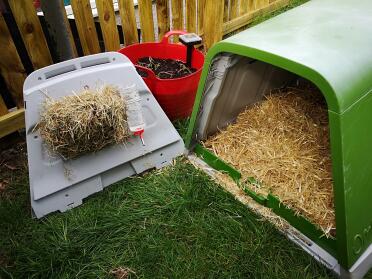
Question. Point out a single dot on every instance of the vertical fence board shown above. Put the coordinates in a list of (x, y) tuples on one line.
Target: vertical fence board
[(32, 34), (251, 5), (201, 5), (226, 10), (11, 66), (107, 22), (3, 108), (162, 12), (146, 20), (261, 3), (191, 15), (256, 4), (128, 21), (213, 21), (177, 16), (234, 9), (243, 7), (85, 26)]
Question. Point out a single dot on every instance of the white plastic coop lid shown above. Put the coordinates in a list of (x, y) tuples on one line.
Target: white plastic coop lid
[(58, 185)]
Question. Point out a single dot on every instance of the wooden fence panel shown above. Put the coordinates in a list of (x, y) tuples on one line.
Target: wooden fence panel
[(245, 19), (213, 22), (261, 3), (251, 5), (177, 16), (234, 9), (11, 122), (3, 108), (107, 22), (85, 26), (32, 34), (226, 10), (243, 6), (191, 16), (162, 12), (201, 7), (128, 21), (146, 20), (11, 66)]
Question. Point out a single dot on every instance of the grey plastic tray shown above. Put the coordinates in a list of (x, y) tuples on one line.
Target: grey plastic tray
[(59, 185)]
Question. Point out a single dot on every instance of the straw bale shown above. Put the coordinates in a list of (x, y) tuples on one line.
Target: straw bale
[(283, 142), (84, 122)]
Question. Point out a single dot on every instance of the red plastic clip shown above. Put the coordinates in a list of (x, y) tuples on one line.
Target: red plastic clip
[(140, 134)]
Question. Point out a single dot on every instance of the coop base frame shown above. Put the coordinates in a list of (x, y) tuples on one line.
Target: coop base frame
[(357, 271)]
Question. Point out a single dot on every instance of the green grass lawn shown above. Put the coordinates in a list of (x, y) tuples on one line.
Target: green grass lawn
[(174, 223)]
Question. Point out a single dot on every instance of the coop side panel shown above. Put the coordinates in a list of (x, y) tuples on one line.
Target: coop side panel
[(354, 235)]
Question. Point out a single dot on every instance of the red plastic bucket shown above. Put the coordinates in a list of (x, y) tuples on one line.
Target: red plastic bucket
[(176, 96)]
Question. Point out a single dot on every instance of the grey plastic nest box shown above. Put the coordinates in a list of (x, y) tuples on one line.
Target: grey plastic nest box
[(59, 185)]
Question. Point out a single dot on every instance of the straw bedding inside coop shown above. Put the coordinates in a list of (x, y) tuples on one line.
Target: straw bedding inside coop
[(283, 142), (84, 122)]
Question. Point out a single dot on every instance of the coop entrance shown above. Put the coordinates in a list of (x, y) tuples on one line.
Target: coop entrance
[(271, 126)]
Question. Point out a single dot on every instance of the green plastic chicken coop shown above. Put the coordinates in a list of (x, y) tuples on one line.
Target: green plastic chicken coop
[(329, 43)]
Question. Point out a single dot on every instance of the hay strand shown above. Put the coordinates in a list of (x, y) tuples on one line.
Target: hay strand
[(84, 122), (283, 142)]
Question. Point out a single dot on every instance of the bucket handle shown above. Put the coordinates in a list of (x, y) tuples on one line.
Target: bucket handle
[(165, 39), (149, 72), (151, 77)]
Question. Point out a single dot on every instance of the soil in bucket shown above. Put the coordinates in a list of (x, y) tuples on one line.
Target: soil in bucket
[(165, 68)]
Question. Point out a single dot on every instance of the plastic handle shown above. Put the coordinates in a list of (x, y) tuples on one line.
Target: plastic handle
[(165, 39)]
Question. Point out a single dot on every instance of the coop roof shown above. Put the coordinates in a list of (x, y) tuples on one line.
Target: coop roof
[(326, 41)]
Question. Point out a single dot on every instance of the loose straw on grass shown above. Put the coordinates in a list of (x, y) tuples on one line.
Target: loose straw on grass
[(283, 142), (84, 122)]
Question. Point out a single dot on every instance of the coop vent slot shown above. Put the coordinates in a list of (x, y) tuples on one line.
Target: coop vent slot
[(95, 62), (60, 71)]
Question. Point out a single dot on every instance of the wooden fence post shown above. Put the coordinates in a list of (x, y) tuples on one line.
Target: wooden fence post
[(107, 21), (85, 26), (128, 21), (59, 29), (213, 21)]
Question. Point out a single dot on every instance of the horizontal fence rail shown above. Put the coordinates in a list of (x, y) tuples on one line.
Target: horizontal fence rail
[(105, 25)]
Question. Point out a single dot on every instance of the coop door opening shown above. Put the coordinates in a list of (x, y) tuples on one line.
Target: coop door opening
[(272, 126)]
